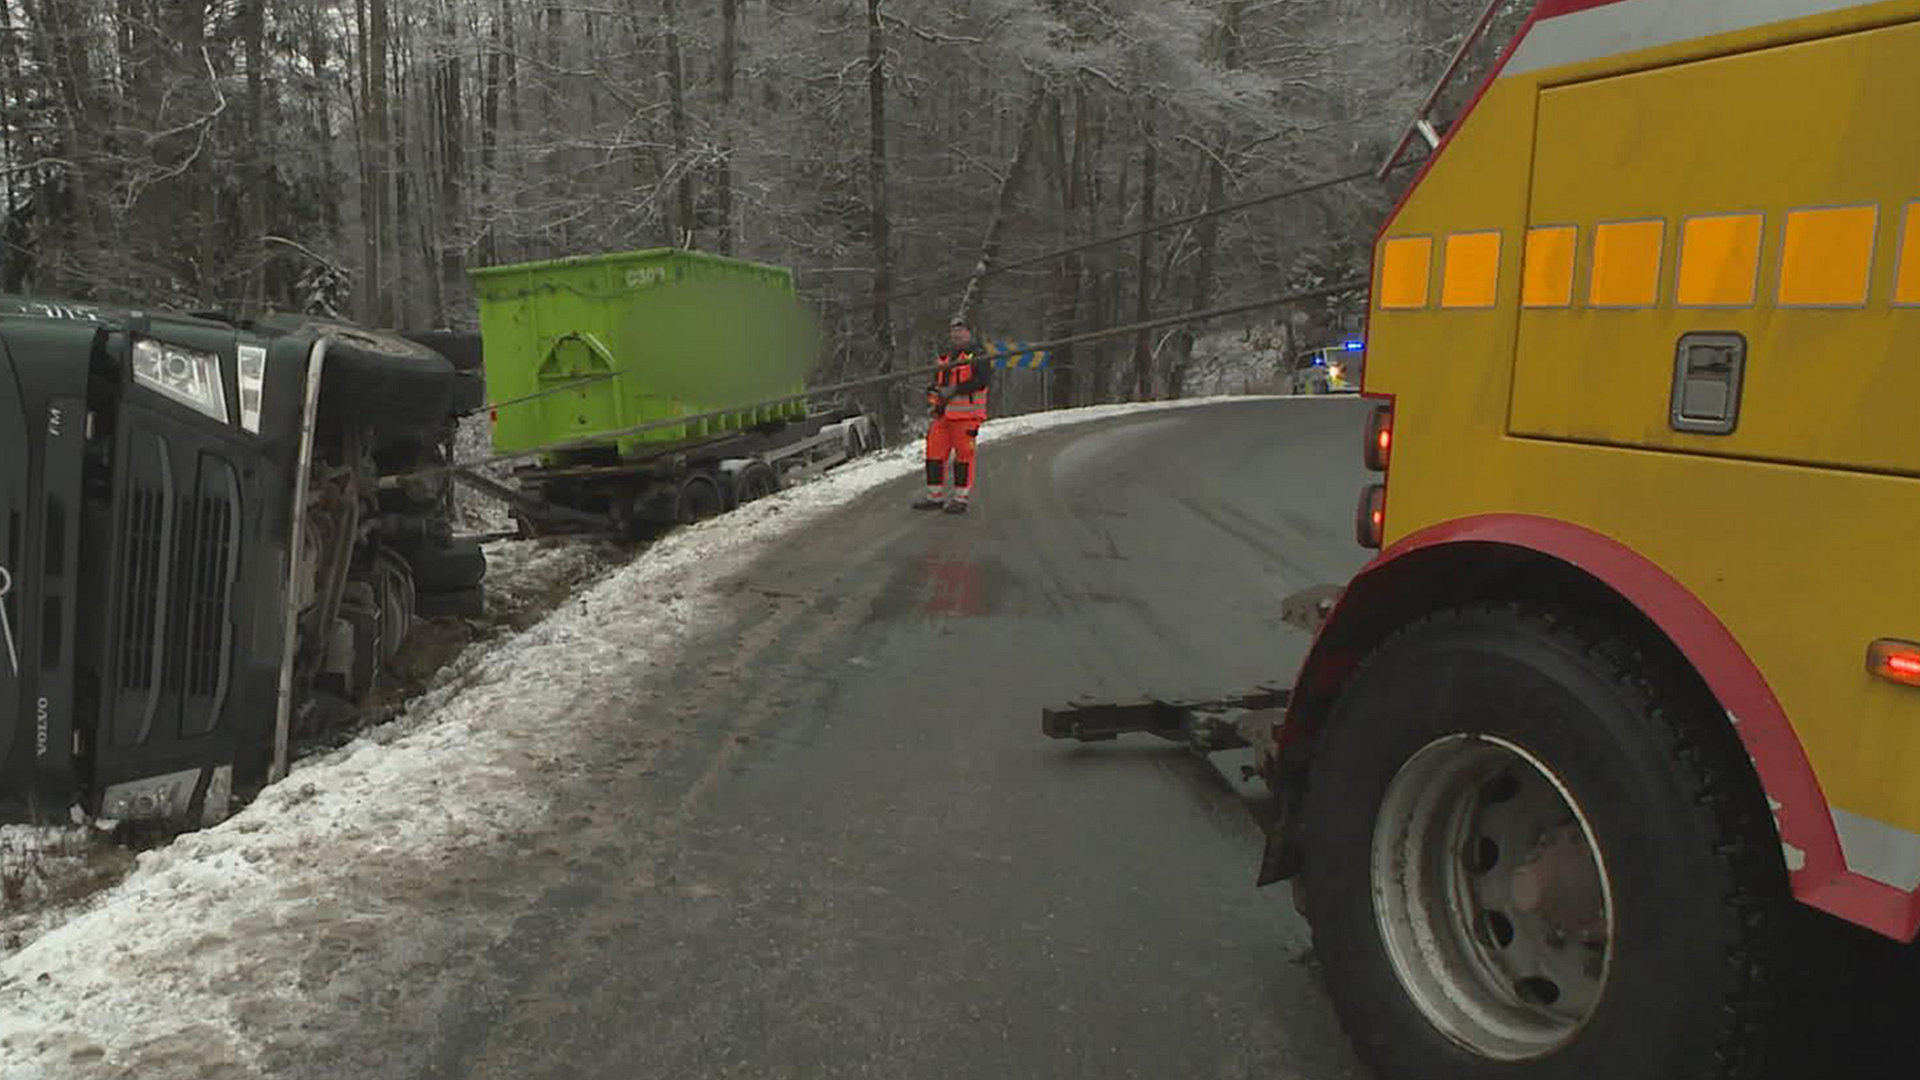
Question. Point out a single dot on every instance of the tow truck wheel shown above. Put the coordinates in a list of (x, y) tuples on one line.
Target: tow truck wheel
[(1535, 851)]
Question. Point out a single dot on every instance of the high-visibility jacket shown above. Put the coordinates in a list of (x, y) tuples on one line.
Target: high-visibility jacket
[(966, 374)]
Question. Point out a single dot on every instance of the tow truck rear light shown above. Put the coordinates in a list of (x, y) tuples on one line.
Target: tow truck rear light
[(1895, 661), (1379, 438), (1370, 522)]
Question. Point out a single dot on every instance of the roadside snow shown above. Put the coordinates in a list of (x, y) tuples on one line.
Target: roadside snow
[(201, 961)]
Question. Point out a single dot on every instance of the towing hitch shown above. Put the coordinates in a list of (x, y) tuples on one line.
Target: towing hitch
[(1249, 720), (1208, 727)]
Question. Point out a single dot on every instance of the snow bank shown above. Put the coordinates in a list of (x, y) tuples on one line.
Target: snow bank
[(202, 956)]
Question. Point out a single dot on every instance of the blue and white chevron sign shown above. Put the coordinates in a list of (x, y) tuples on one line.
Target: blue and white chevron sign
[(1018, 355)]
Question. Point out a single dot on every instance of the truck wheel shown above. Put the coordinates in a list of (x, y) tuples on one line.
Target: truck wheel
[(458, 604), (395, 592), (756, 481), (1534, 852), (378, 378), (459, 565), (700, 499)]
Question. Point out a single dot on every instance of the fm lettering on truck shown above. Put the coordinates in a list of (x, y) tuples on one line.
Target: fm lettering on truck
[(646, 275)]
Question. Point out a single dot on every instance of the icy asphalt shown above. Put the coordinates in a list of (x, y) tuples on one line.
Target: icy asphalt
[(858, 857), (773, 802)]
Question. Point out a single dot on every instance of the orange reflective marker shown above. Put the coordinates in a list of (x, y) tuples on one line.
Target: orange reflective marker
[(1895, 661)]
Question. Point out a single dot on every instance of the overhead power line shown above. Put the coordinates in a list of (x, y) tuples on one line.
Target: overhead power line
[(912, 290)]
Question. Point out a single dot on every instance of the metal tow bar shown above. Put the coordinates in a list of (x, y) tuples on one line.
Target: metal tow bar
[(1250, 720), (1208, 727)]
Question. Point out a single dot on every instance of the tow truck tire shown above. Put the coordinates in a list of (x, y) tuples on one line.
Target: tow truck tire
[(1464, 782)]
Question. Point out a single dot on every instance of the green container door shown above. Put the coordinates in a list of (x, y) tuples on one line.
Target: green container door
[(660, 333)]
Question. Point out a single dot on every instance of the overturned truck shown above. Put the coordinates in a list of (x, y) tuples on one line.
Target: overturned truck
[(196, 552), (215, 532)]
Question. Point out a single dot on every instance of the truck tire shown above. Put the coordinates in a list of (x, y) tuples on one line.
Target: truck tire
[(458, 604), (378, 378), (700, 499), (1534, 851), (464, 351), (755, 481), (456, 566)]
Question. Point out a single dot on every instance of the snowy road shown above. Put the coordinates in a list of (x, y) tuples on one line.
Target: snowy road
[(857, 857)]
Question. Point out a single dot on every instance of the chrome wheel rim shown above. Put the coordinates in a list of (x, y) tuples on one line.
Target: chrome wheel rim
[(1492, 897)]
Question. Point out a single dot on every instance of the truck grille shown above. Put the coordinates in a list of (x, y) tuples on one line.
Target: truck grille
[(143, 588), (179, 582), (206, 556)]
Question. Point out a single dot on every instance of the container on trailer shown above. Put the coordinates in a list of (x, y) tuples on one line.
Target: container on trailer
[(639, 337)]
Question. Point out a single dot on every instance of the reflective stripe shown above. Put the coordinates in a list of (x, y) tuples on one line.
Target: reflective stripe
[(1880, 851), (1633, 25)]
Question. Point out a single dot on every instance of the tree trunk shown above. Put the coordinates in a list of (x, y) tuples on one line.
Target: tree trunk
[(259, 171), (453, 172), (1209, 231), (1203, 274), (880, 224), (376, 171), (490, 139), (685, 225), (1143, 342), (1003, 205), (729, 59)]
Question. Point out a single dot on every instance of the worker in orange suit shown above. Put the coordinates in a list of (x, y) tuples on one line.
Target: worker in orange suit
[(957, 401)]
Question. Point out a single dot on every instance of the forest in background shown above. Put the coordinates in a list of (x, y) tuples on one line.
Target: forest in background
[(357, 157)]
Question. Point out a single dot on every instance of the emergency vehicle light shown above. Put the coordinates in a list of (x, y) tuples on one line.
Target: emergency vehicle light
[(1895, 661), (1369, 525), (1379, 446)]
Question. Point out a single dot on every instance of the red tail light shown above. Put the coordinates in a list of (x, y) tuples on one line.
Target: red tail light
[(1379, 446), (1369, 524), (1895, 661)]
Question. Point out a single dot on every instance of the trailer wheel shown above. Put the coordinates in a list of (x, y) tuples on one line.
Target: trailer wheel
[(755, 481), (700, 499), (1534, 851)]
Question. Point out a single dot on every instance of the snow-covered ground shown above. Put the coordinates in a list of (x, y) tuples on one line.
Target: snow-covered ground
[(204, 953), (1249, 360)]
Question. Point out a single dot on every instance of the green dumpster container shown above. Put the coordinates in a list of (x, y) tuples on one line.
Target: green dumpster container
[(660, 334)]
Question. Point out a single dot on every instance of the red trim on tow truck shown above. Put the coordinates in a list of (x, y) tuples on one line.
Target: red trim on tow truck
[(1805, 820)]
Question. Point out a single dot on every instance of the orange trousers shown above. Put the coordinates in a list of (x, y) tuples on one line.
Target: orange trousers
[(955, 437)]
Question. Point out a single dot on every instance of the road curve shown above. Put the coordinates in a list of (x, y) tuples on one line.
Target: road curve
[(857, 856), (832, 842)]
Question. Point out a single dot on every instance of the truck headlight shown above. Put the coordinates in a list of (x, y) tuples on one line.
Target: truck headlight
[(188, 376)]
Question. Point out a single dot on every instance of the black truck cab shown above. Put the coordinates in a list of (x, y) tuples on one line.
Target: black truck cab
[(151, 548)]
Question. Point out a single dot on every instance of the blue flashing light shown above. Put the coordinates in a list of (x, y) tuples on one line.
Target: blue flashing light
[(1353, 345)]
